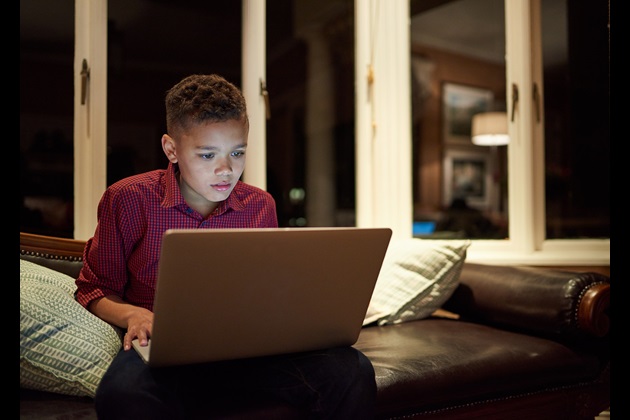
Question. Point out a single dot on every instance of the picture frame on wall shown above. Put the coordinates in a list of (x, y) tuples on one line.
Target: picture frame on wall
[(459, 104), (468, 175)]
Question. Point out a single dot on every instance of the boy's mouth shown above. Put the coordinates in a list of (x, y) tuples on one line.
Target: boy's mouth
[(222, 186)]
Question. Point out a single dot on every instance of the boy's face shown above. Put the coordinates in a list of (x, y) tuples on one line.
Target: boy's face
[(211, 159)]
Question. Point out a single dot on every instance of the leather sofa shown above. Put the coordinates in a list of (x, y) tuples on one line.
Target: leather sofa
[(511, 342)]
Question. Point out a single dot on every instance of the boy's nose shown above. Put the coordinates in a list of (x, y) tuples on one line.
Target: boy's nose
[(223, 167)]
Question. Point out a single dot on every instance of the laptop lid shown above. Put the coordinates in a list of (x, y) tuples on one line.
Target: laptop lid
[(225, 294)]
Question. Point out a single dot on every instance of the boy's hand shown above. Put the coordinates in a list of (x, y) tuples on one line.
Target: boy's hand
[(136, 320), (139, 325)]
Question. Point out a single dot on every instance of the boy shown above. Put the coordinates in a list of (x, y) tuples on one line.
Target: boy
[(207, 128)]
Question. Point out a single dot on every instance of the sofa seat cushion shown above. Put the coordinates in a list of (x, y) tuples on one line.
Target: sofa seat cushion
[(440, 361)]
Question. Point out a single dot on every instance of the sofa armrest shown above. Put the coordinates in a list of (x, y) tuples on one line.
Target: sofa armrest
[(539, 300)]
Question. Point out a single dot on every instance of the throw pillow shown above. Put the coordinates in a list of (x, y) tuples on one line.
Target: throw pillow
[(416, 278), (64, 348)]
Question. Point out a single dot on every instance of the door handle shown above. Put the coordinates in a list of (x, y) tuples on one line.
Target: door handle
[(85, 75), (265, 95), (514, 100)]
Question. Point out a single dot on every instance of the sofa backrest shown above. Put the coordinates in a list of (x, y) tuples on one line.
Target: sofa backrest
[(60, 254)]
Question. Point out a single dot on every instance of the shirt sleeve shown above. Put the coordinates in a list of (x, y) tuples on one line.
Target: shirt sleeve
[(104, 270)]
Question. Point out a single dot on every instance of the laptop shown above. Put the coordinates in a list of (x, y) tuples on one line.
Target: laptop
[(225, 294)]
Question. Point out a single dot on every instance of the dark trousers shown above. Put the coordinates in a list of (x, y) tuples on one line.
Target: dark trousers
[(336, 383)]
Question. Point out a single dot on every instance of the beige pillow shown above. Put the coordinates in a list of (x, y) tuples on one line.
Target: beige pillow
[(416, 278)]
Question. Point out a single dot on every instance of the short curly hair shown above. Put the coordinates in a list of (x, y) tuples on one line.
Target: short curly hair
[(199, 99)]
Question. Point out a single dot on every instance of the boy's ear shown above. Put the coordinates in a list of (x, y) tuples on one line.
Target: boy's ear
[(168, 145)]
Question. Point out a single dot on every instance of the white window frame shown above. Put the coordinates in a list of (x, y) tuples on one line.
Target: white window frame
[(254, 72), (90, 119), (383, 116), (383, 128), (379, 204), (526, 161)]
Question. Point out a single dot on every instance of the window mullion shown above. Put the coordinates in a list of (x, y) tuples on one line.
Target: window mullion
[(90, 118), (253, 74), (383, 113), (538, 127), (521, 157)]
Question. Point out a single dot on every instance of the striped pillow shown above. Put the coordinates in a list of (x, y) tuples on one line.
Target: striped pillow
[(416, 278), (63, 347)]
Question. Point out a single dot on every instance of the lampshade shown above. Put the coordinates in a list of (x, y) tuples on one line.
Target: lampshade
[(490, 129)]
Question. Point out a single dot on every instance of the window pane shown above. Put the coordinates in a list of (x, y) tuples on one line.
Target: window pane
[(46, 117), (151, 46), (310, 136), (459, 188), (577, 118)]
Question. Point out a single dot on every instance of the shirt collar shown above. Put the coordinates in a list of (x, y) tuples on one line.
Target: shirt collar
[(172, 195)]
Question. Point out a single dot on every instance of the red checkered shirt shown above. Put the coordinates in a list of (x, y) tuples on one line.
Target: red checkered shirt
[(122, 257)]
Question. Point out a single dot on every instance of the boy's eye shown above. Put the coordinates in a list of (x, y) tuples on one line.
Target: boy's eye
[(238, 153), (207, 156)]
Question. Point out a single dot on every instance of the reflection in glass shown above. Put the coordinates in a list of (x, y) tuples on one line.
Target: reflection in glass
[(459, 188)]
